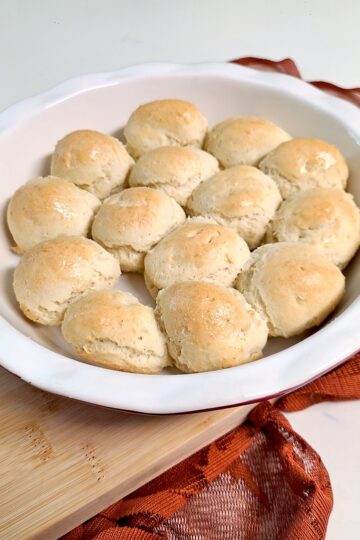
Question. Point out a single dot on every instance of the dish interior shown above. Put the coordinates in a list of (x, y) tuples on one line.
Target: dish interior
[(25, 151)]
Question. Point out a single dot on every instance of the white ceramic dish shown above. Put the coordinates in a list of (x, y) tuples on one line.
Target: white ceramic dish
[(28, 133)]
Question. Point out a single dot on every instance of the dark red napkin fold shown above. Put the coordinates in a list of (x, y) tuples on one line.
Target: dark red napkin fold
[(261, 481)]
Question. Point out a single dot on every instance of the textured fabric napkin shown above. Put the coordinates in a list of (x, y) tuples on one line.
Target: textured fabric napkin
[(261, 481)]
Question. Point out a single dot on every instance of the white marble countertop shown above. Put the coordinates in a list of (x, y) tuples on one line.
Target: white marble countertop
[(45, 41)]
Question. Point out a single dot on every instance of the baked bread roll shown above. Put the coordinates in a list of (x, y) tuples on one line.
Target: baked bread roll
[(131, 222), (113, 330), (165, 122), (302, 164), (200, 249), (93, 161), (46, 208), (327, 218), (208, 326), (175, 170), (242, 198), (292, 285), (243, 140), (55, 273)]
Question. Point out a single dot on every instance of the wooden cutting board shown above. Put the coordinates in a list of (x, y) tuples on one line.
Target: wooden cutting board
[(62, 461)]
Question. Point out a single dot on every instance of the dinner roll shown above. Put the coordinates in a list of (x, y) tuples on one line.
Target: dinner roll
[(302, 164), (129, 223), (208, 326), (200, 249), (53, 274), (92, 160), (45, 208), (243, 140), (293, 286), (325, 217), (176, 170), (241, 197), (165, 122), (113, 330)]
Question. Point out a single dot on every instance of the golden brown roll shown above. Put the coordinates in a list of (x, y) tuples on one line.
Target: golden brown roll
[(243, 140), (165, 122), (55, 273), (293, 286), (131, 222), (200, 249), (93, 161), (46, 208), (176, 170), (327, 218), (113, 330), (242, 198), (302, 164), (208, 326)]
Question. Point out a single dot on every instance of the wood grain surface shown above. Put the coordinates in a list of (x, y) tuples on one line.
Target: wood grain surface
[(62, 461)]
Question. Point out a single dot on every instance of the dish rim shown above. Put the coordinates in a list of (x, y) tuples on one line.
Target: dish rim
[(290, 368)]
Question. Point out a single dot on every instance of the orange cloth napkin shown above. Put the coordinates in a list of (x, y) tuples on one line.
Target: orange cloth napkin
[(261, 481)]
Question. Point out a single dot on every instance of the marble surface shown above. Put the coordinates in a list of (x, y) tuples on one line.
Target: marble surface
[(46, 41)]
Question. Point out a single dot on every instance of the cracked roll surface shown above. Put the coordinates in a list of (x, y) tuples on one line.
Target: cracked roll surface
[(113, 330), (92, 160), (200, 249), (302, 164), (49, 207), (165, 122), (208, 326), (242, 198), (324, 217), (243, 140), (131, 222), (55, 273), (175, 170), (293, 286)]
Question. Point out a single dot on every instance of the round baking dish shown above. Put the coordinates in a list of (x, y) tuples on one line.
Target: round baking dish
[(28, 133)]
